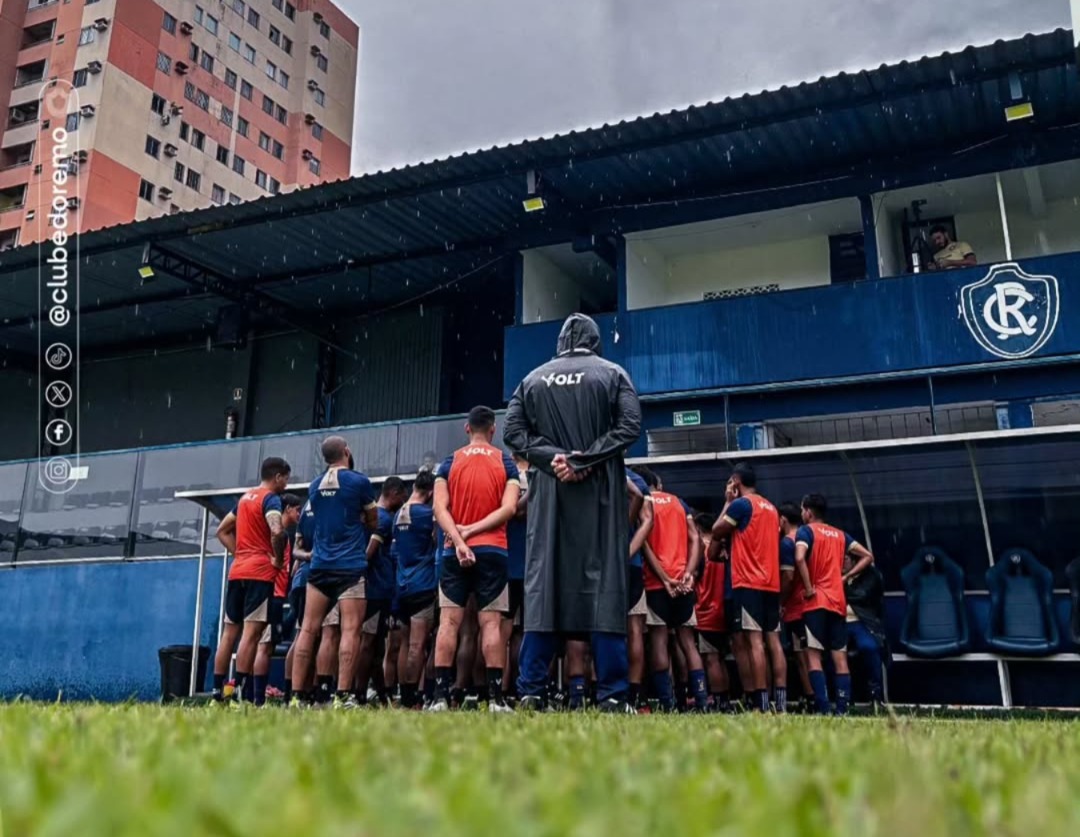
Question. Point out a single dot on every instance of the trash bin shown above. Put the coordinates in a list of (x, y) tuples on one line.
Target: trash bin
[(175, 663)]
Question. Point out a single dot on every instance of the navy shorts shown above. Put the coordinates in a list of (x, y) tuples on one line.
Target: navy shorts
[(825, 630), (297, 602), (756, 610), (248, 600), (417, 606), (675, 612), (338, 584), (517, 600), (635, 587), (486, 579)]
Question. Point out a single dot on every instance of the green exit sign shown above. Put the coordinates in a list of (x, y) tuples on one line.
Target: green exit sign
[(688, 418)]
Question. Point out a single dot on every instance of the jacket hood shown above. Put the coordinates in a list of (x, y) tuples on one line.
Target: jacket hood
[(579, 333)]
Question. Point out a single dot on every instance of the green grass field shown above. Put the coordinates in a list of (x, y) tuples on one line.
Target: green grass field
[(145, 770)]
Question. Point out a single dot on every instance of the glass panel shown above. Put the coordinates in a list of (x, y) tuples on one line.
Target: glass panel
[(12, 484), (1032, 491), (374, 449), (300, 450), (167, 526), (428, 443), (90, 521), (917, 497)]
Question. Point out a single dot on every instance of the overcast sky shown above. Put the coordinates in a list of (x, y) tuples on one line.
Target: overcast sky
[(442, 76)]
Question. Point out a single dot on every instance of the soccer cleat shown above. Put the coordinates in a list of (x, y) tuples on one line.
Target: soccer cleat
[(297, 703), (531, 703), (471, 703), (345, 703), (496, 708), (438, 706), (611, 706)]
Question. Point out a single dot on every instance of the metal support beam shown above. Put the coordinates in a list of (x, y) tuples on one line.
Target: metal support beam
[(869, 226), (254, 300)]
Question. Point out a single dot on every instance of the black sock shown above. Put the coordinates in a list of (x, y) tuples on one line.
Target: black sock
[(495, 685), (343, 694), (633, 694), (457, 695), (721, 702), (288, 689), (219, 686), (245, 687), (259, 689), (680, 696), (429, 689), (408, 695), (324, 688), (443, 678), (483, 693)]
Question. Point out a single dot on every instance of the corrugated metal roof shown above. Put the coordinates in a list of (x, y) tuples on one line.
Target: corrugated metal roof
[(385, 237)]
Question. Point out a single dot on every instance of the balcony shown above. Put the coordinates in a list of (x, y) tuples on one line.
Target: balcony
[(31, 73), (38, 34), (12, 198)]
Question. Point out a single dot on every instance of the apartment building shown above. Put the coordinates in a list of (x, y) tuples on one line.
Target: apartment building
[(156, 106)]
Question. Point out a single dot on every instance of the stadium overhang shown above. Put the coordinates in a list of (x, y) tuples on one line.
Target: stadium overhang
[(361, 246)]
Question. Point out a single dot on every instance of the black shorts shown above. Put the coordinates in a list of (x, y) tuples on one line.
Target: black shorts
[(732, 617), (377, 617), (712, 642), (335, 584), (664, 610), (517, 600), (796, 631), (486, 579), (635, 586), (272, 634), (825, 630), (248, 601), (757, 610), (297, 602), (417, 605)]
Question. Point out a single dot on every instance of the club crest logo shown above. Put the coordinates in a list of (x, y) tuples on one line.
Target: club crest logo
[(1009, 312)]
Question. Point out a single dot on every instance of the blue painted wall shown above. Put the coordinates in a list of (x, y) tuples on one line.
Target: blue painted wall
[(92, 631), (901, 324)]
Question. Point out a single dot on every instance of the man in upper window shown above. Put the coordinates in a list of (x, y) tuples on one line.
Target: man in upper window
[(949, 254)]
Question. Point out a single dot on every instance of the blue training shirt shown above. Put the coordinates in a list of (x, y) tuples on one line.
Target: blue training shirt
[(305, 528), (382, 577), (414, 549), (339, 499), (638, 559)]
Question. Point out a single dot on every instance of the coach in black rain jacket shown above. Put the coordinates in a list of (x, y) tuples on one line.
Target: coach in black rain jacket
[(583, 408)]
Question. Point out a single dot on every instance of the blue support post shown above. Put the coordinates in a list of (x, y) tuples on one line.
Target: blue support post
[(869, 225)]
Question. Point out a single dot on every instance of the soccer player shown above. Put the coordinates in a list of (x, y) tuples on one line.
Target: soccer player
[(709, 610), (255, 536), (791, 596), (301, 561), (672, 555), (476, 495), (413, 548), (381, 583), (753, 525), (515, 571), (271, 636), (641, 523), (345, 516), (820, 550)]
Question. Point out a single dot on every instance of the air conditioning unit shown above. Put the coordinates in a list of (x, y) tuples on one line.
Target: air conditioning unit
[(312, 84), (165, 119), (309, 118), (186, 28), (317, 17), (164, 193), (73, 203), (72, 166), (181, 68), (82, 156), (315, 50), (170, 149), (307, 154), (101, 24), (94, 67), (87, 111)]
